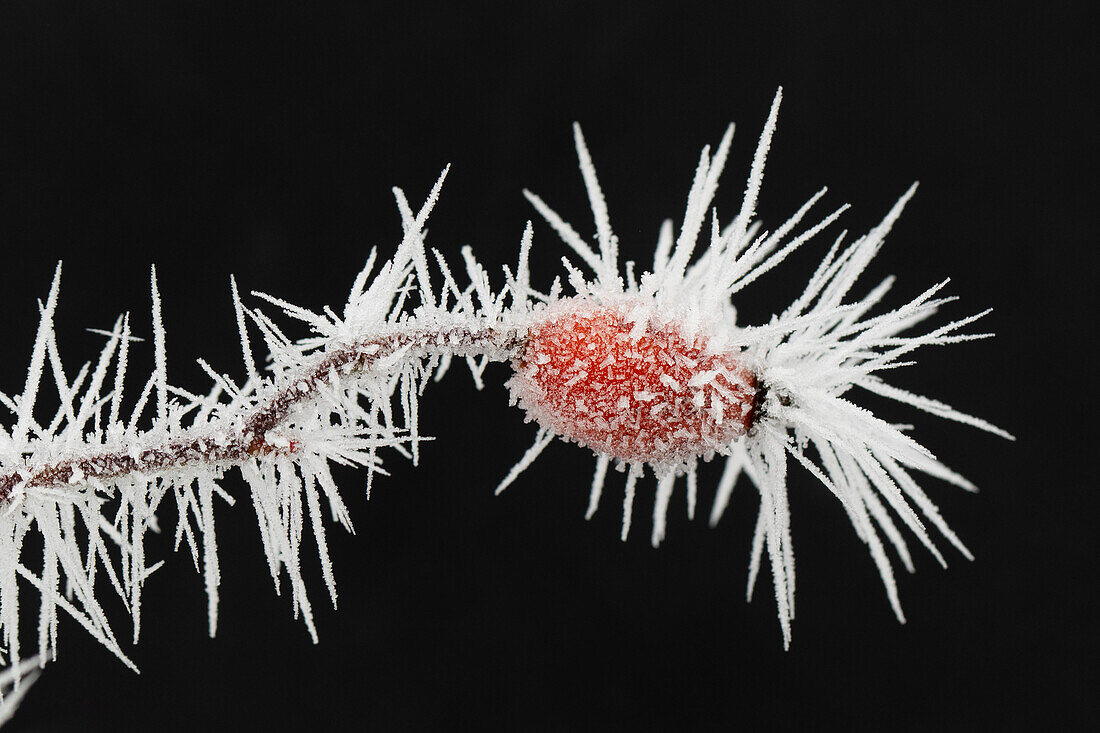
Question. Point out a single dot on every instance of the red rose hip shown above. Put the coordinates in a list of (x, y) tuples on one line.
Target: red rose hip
[(643, 395)]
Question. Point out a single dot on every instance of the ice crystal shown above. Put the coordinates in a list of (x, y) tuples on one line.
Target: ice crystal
[(14, 683)]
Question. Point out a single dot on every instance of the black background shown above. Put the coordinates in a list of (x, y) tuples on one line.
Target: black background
[(262, 140)]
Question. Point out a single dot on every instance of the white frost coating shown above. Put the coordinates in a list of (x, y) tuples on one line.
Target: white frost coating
[(598, 478), (59, 472), (14, 683), (89, 479), (608, 249), (807, 361)]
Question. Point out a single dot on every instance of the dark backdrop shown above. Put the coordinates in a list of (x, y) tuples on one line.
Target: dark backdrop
[(263, 141)]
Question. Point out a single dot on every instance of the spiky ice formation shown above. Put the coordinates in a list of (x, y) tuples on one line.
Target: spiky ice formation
[(796, 397), (87, 480)]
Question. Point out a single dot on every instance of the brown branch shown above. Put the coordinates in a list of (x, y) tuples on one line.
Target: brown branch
[(236, 445)]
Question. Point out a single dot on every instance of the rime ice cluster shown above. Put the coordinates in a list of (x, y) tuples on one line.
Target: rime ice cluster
[(647, 367), (639, 395), (92, 478), (808, 363)]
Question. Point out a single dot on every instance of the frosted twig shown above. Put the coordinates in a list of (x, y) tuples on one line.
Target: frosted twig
[(649, 370)]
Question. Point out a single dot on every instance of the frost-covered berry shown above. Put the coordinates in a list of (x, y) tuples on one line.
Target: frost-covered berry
[(639, 391)]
